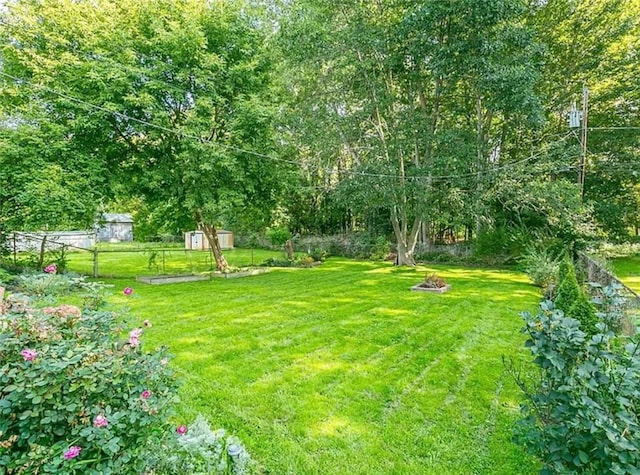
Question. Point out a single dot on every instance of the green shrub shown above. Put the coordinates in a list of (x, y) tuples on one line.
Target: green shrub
[(76, 396), (306, 261), (564, 268), (581, 414), (6, 277), (380, 249), (278, 236), (318, 254), (585, 313), (273, 262), (491, 242), (53, 284), (568, 291), (541, 266), (42, 284)]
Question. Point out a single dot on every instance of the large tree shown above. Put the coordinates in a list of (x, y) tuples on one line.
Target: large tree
[(404, 95), (174, 97)]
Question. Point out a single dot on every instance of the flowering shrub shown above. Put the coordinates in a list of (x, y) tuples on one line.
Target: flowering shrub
[(75, 397), (199, 450)]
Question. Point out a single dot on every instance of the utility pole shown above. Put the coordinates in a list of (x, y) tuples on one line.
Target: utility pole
[(583, 137), (579, 119)]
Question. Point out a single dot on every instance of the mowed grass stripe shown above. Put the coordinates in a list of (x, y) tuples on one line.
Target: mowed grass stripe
[(628, 270), (341, 369)]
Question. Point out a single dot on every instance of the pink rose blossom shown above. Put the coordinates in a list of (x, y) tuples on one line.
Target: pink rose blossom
[(28, 354), (73, 452), (134, 336), (51, 269), (100, 421), (127, 291), (146, 394), (181, 430)]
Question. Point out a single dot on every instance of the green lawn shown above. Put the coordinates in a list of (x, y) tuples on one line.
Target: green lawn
[(340, 369), (628, 271)]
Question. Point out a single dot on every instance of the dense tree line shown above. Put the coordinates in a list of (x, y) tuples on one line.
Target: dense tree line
[(422, 120)]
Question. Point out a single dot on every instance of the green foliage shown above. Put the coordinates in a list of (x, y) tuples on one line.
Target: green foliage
[(380, 249), (608, 30), (276, 262), (552, 212), (583, 311), (581, 415), (390, 111), (77, 396), (45, 184), (41, 284), (50, 285), (541, 266), (306, 261), (278, 236), (568, 291), (318, 254), (182, 128), (6, 277), (492, 242), (201, 451), (566, 264)]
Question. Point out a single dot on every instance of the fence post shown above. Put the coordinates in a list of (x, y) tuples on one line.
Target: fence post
[(95, 263)]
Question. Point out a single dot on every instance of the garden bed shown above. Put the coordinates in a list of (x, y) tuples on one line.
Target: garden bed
[(435, 290), (171, 279)]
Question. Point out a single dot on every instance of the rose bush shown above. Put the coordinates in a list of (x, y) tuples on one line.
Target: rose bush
[(78, 394)]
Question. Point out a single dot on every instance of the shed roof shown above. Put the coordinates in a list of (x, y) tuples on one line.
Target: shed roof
[(117, 218)]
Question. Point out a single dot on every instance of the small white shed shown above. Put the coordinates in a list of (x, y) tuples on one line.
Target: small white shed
[(197, 240), (116, 227)]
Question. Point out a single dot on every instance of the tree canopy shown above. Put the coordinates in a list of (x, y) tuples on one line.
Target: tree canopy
[(420, 119), (172, 98)]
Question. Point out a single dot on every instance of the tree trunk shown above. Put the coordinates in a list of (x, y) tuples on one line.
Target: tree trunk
[(214, 244), (289, 248), (406, 240), (43, 250)]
